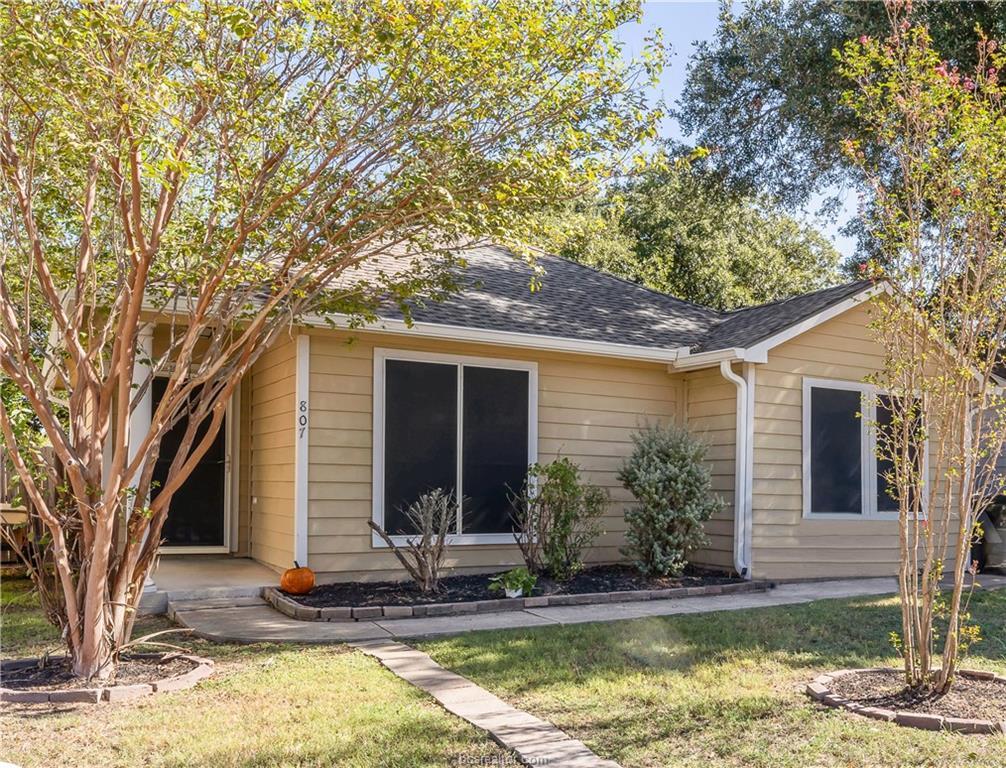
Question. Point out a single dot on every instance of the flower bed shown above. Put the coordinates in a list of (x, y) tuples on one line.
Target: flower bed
[(976, 703), (470, 594), (38, 681)]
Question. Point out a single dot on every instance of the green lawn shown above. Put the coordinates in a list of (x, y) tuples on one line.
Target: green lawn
[(269, 706), (721, 689)]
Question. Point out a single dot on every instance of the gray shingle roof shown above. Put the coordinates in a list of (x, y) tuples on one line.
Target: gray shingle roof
[(744, 327), (577, 302)]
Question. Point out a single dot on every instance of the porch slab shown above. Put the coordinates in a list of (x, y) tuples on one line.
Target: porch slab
[(183, 575)]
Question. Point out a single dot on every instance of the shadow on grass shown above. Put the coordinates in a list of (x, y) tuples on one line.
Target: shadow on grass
[(827, 634)]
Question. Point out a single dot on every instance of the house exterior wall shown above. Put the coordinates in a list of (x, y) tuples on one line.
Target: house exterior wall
[(271, 394), (785, 544), (588, 408), (711, 415)]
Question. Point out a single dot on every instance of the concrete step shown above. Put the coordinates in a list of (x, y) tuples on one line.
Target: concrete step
[(213, 593), (175, 607), (216, 602), (159, 601)]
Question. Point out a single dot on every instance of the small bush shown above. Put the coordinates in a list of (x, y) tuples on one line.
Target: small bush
[(433, 516), (668, 476), (556, 516), (515, 580)]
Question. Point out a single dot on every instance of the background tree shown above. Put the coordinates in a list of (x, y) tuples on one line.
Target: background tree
[(766, 93), (676, 228), (941, 231), (222, 168)]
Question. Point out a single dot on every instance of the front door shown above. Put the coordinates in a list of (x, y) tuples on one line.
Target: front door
[(197, 515)]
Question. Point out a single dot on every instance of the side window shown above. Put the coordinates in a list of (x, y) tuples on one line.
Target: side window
[(836, 451)]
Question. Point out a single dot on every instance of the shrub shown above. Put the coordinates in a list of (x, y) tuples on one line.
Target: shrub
[(433, 515), (556, 517), (668, 476)]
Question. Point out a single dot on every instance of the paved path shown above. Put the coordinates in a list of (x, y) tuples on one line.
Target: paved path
[(536, 741), (260, 623)]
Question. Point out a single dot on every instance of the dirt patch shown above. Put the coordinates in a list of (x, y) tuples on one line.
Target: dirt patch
[(455, 589), (56, 674), (968, 697)]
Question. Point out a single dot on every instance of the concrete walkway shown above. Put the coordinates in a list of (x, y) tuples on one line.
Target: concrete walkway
[(260, 623), (536, 741)]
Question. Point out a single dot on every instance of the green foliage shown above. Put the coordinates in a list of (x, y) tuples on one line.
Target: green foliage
[(766, 92), (223, 168), (668, 476), (556, 515), (937, 198), (675, 228), (519, 580)]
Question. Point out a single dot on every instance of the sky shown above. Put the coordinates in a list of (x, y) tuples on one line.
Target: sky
[(683, 24)]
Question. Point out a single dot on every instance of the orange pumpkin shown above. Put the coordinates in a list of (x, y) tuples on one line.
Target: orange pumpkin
[(297, 580)]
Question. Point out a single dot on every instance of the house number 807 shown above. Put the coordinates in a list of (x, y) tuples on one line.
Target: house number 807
[(302, 418)]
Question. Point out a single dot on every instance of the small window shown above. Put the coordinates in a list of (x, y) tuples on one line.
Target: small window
[(836, 459), (462, 424), (843, 423)]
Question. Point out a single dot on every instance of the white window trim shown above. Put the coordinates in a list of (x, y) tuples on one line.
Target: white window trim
[(868, 453), (381, 355)]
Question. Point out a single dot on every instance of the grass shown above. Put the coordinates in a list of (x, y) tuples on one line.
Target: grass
[(268, 705), (722, 689)]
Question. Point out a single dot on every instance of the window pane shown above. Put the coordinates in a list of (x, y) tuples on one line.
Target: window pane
[(420, 435), (836, 451), (494, 446), (888, 501)]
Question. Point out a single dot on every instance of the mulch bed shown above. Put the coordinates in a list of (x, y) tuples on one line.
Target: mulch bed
[(968, 697), (465, 588), (56, 674)]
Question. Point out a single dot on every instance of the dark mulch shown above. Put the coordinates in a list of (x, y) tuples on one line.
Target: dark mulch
[(970, 698), (455, 589), (57, 674)]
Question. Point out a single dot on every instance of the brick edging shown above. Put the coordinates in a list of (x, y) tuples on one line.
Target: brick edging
[(819, 691), (295, 610), (202, 670)]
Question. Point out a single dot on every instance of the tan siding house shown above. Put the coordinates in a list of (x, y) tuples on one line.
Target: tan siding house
[(336, 428)]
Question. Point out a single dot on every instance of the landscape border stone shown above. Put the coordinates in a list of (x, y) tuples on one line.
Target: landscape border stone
[(105, 694), (819, 690), (289, 607)]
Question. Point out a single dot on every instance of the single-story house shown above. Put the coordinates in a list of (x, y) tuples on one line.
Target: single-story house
[(334, 428)]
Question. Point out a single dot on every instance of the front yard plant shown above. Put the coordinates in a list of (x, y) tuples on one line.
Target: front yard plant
[(517, 582), (432, 517), (937, 219), (671, 482), (556, 516)]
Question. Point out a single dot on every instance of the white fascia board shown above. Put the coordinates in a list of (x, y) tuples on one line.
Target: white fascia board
[(499, 338), (691, 362)]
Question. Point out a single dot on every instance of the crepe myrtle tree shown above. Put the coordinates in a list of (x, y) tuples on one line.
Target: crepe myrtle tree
[(942, 232), (217, 170)]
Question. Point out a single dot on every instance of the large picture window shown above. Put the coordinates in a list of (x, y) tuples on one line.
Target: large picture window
[(466, 425), (842, 475)]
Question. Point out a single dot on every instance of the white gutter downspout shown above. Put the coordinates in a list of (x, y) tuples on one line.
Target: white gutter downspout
[(742, 478)]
